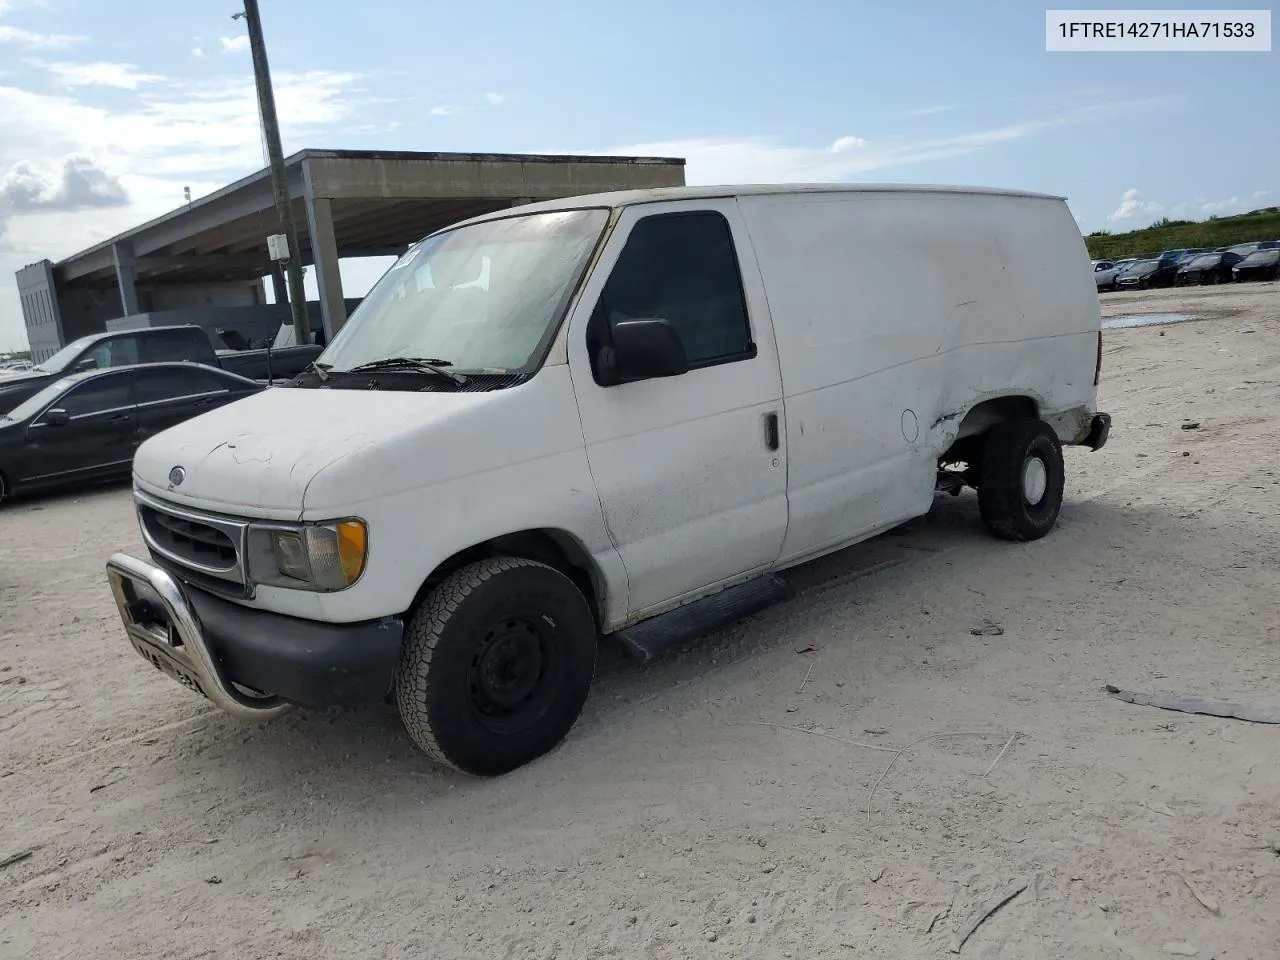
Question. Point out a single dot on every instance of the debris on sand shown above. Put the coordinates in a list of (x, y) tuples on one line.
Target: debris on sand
[(985, 911), (1206, 902), (1210, 708), (13, 858)]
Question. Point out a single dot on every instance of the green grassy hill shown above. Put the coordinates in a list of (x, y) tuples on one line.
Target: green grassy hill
[(1172, 234)]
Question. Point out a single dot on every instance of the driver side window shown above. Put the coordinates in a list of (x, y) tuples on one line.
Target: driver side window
[(682, 268)]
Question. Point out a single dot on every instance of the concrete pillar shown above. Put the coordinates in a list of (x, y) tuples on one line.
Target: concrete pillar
[(126, 278), (324, 252), (278, 285)]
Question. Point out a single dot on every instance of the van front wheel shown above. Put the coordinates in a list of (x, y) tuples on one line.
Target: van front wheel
[(1020, 495), (497, 662)]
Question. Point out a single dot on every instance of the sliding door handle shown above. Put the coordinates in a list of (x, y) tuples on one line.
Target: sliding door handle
[(771, 430)]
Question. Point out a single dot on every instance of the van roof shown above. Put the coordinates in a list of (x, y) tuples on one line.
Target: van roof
[(626, 198)]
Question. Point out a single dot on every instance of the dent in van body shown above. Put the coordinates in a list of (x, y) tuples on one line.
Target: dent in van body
[(927, 302)]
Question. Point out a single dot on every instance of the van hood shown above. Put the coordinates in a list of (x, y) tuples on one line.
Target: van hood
[(265, 455)]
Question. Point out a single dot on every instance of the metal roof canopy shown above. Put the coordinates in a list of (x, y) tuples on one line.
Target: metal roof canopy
[(364, 203)]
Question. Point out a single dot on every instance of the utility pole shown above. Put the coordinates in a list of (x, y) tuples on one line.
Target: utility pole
[(279, 182)]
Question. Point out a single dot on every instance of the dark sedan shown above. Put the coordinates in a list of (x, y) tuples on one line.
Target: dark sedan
[(1207, 268), (1259, 265), (1148, 273), (86, 426)]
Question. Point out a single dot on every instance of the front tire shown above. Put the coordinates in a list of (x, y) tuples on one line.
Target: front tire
[(1020, 496), (497, 663)]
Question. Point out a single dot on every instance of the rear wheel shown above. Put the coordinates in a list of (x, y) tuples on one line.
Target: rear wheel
[(497, 664), (1020, 496)]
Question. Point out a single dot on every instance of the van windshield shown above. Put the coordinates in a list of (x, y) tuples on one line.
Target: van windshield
[(481, 298)]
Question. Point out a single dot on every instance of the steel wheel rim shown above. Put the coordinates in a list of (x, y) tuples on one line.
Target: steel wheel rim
[(1035, 481), (509, 680)]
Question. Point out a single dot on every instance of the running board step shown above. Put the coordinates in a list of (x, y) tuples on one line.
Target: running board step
[(649, 638)]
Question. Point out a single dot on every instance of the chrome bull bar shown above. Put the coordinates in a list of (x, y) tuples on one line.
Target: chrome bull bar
[(164, 628)]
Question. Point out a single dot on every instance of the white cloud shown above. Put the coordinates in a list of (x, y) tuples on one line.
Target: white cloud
[(178, 128), (236, 44), (79, 184), (1133, 207), (198, 134), (197, 52), (36, 41), (929, 111), (766, 160), (496, 99), (845, 144), (1259, 194), (1228, 207), (442, 111), (124, 76)]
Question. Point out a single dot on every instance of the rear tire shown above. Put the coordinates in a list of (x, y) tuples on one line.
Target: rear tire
[(497, 664), (1020, 496)]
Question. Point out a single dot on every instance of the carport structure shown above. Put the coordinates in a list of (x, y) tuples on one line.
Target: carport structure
[(346, 204)]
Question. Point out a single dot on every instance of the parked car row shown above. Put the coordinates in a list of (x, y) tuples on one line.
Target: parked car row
[(86, 426), (153, 345), (1259, 260)]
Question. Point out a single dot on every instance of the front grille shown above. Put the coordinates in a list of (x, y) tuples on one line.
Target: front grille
[(190, 540), (199, 544), (219, 586)]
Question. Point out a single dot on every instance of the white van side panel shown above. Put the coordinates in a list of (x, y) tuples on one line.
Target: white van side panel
[(896, 313)]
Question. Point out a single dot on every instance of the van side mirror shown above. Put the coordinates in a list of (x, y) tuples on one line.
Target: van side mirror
[(641, 350), (57, 417), (88, 363)]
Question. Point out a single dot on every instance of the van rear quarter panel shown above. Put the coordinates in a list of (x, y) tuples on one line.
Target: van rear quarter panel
[(895, 313)]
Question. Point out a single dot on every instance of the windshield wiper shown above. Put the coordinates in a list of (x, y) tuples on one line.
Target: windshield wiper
[(321, 370), (418, 364)]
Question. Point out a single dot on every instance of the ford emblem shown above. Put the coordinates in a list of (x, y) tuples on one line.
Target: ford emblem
[(176, 476)]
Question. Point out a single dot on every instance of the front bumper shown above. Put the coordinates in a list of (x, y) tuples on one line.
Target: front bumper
[(250, 663), (1099, 432)]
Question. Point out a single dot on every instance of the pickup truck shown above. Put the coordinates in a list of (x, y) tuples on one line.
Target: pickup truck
[(153, 345)]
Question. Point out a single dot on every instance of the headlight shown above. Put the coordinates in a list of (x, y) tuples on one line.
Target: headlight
[(310, 556)]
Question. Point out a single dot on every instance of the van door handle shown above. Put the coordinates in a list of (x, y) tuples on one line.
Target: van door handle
[(771, 430)]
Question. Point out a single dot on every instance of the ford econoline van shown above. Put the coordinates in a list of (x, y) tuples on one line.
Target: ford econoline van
[(601, 415)]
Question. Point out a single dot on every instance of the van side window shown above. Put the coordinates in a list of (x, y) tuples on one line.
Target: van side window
[(682, 268)]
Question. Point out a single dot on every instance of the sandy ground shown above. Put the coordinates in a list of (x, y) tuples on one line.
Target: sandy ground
[(674, 822)]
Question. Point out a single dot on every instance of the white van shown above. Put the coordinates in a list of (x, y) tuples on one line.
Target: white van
[(560, 420)]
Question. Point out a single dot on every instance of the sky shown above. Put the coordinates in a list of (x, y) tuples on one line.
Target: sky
[(109, 108)]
